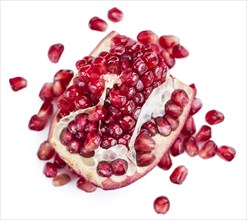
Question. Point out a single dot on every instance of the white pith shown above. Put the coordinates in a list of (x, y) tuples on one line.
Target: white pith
[(153, 107)]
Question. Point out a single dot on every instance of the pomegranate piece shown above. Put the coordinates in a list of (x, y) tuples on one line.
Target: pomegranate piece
[(37, 123), (115, 14), (165, 162), (178, 51), (45, 151), (97, 24), (208, 150), (55, 51), (179, 175), (161, 205), (214, 117), (148, 36), (50, 170), (17, 83), (177, 147), (204, 134), (226, 153), (61, 179), (114, 89), (85, 185), (190, 146), (168, 41)]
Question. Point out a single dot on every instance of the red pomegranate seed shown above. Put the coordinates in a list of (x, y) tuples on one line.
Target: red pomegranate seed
[(46, 92), (116, 98), (59, 162), (179, 175), (63, 76), (46, 110), (226, 153), (50, 170), (66, 136), (115, 14), (161, 205), (85, 185), (190, 146), (204, 134), (174, 122), (92, 142), (165, 162), (195, 106), (150, 127), (144, 143), (178, 51), (104, 169), (168, 41), (208, 150), (98, 113), (189, 126), (97, 24), (180, 97), (170, 61), (55, 51), (127, 123), (61, 179), (163, 126), (58, 88), (148, 36), (119, 167), (214, 117), (144, 159), (36, 123), (17, 83), (173, 109), (45, 151), (177, 147), (74, 146)]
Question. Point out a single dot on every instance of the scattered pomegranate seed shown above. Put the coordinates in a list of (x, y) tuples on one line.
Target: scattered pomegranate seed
[(168, 41), (208, 150), (148, 36), (17, 83), (61, 179), (191, 146), (55, 51), (214, 117), (50, 170), (179, 175), (46, 110), (161, 205), (179, 51), (177, 147), (204, 134), (226, 153), (46, 92), (97, 24), (165, 162), (115, 14), (46, 151), (86, 186), (37, 123)]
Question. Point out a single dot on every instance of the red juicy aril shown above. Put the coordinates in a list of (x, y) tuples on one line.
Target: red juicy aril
[(121, 112)]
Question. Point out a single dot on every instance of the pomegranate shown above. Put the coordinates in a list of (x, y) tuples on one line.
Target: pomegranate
[(120, 113)]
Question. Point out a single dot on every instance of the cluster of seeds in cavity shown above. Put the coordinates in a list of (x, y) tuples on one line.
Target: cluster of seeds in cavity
[(163, 125), (99, 24)]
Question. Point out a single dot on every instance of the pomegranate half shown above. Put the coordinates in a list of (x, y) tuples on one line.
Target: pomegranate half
[(120, 113)]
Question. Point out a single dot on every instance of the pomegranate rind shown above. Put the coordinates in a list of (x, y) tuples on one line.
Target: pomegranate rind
[(86, 167)]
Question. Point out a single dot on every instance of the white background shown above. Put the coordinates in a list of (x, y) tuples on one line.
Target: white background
[(215, 34)]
